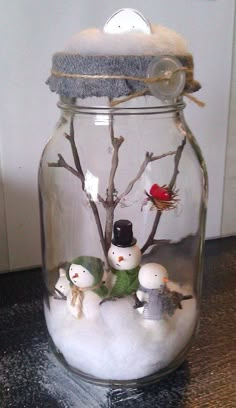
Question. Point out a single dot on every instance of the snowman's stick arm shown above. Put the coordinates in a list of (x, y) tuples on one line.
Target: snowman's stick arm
[(179, 297), (59, 295), (150, 240), (187, 297)]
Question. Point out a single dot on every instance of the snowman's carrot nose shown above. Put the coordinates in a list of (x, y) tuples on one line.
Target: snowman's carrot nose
[(75, 276), (120, 258), (165, 280)]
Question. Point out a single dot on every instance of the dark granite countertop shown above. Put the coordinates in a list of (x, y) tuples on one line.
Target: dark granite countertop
[(31, 377)]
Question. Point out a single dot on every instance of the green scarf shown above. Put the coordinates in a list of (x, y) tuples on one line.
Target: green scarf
[(101, 291), (126, 282)]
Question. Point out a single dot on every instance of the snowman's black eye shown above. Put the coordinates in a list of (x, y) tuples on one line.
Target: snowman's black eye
[(83, 271), (155, 275), (129, 254), (113, 253), (61, 286)]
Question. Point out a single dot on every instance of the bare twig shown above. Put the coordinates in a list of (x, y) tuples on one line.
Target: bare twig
[(150, 240), (117, 142), (148, 159), (80, 174), (99, 227), (110, 203), (109, 225), (62, 163), (176, 168), (171, 153), (71, 138)]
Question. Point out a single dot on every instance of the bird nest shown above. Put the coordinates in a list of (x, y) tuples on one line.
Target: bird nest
[(163, 205)]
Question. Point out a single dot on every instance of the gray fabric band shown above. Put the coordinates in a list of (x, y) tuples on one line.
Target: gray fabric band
[(106, 65)]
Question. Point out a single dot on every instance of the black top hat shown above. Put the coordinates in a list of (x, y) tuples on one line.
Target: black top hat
[(123, 234)]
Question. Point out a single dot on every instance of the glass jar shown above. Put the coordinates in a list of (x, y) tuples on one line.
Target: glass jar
[(123, 203)]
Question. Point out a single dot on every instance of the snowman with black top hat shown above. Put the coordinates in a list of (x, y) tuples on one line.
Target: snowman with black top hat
[(124, 257)]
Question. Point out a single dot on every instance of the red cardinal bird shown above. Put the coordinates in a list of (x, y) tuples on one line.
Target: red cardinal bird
[(160, 193), (162, 198)]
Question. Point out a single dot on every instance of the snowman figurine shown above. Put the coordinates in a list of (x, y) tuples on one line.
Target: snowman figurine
[(87, 287), (62, 287), (124, 257), (158, 301)]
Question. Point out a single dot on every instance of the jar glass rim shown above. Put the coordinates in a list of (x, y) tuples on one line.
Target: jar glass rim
[(74, 105)]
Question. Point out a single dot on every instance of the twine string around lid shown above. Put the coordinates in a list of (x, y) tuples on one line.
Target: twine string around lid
[(165, 77), (146, 80)]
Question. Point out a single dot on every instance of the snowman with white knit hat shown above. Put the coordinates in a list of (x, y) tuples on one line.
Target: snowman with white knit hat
[(124, 258)]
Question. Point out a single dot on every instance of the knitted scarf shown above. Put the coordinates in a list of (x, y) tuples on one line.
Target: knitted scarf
[(78, 296)]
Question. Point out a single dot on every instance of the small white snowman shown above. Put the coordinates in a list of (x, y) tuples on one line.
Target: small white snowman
[(152, 278), (87, 288), (159, 302), (124, 257), (62, 287)]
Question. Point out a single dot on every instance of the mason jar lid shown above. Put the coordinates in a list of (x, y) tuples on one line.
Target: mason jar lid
[(129, 57)]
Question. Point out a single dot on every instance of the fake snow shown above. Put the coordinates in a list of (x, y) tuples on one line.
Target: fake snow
[(96, 42), (120, 344)]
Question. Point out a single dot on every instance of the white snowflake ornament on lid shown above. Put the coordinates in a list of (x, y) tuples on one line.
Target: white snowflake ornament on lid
[(127, 20)]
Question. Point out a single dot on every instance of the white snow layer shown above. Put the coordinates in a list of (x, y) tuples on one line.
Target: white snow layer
[(93, 41), (120, 344)]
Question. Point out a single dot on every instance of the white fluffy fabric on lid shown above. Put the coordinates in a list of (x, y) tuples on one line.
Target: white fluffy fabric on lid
[(96, 42)]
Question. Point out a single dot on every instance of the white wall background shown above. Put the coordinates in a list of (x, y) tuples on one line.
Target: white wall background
[(30, 31)]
